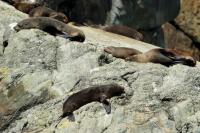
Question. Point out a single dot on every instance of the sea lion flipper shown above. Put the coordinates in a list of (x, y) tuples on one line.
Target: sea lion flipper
[(105, 103), (107, 106), (71, 117)]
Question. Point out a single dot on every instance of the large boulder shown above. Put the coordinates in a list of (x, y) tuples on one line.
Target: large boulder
[(143, 14), (189, 17)]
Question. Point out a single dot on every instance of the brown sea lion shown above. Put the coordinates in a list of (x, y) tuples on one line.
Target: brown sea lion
[(92, 94), (124, 31), (25, 7), (52, 26), (162, 56), (43, 11), (121, 52)]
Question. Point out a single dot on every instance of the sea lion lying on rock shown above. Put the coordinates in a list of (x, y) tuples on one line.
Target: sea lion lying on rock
[(124, 31), (43, 11), (92, 94), (162, 56), (52, 26)]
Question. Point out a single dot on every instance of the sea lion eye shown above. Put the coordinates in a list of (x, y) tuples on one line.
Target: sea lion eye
[(20, 25)]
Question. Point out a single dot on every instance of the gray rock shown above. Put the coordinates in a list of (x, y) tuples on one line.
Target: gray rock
[(143, 14)]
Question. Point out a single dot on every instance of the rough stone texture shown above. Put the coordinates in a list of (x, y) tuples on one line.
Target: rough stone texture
[(175, 38), (38, 72), (158, 99), (189, 18), (8, 15)]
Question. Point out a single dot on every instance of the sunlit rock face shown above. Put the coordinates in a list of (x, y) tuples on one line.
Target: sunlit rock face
[(175, 38)]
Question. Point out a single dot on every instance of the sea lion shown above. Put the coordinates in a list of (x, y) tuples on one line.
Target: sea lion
[(92, 94), (43, 11), (52, 26), (162, 56), (25, 7), (124, 31), (121, 52)]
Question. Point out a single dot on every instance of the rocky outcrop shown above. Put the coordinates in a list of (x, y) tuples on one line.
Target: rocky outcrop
[(39, 71), (176, 39), (188, 19)]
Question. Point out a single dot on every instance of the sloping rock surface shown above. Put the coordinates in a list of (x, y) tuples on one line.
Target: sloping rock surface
[(38, 72)]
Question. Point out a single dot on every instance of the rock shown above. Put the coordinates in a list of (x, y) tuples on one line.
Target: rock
[(154, 36), (8, 15), (152, 103), (188, 19), (38, 72), (175, 38)]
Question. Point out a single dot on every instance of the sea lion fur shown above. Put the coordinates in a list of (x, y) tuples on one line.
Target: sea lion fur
[(162, 56), (52, 26), (121, 52), (98, 93)]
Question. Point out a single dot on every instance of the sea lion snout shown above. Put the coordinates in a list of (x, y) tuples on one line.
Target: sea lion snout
[(17, 28)]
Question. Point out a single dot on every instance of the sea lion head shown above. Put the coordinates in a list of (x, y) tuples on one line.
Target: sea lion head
[(68, 108), (117, 90), (25, 24), (189, 61), (59, 16), (77, 36)]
